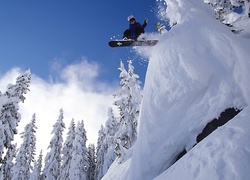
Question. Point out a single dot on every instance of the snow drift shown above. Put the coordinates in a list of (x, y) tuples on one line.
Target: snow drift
[(196, 71)]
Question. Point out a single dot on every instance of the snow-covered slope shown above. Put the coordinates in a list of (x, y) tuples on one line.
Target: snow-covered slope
[(223, 155), (196, 71)]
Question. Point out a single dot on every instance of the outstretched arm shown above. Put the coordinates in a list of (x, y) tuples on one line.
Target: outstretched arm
[(145, 23)]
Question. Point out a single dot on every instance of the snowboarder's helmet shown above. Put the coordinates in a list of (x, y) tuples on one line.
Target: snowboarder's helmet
[(130, 17)]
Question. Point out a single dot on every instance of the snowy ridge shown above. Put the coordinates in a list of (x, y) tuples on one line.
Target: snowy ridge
[(196, 71)]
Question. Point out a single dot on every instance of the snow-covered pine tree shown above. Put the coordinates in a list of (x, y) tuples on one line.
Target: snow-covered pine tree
[(2, 140), (129, 102), (67, 152), (220, 7), (100, 153), (135, 98), (26, 152), (53, 158), (9, 117), (224, 8), (121, 104), (79, 163), (91, 162), (37, 170), (21, 87), (111, 128), (160, 27), (9, 162)]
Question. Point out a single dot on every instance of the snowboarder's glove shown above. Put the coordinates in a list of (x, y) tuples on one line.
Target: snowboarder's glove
[(146, 20)]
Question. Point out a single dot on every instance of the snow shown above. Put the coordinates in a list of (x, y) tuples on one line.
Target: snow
[(224, 155), (196, 71), (119, 170)]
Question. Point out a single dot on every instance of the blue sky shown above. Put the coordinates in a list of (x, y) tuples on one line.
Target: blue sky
[(40, 34), (65, 45)]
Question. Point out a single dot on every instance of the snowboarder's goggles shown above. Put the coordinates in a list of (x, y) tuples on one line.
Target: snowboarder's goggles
[(133, 19)]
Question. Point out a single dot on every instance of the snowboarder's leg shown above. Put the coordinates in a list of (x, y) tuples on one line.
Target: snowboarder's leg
[(138, 32), (126, 34)]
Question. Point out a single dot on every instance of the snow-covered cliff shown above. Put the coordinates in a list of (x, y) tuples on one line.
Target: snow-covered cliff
[(196, 71)]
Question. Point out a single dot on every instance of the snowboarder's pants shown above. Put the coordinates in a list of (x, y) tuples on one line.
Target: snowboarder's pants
[(138, 32)]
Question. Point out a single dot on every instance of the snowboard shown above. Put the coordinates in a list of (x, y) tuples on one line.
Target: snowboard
[(124, 43)]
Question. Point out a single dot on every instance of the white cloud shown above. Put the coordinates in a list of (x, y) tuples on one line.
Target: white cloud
[(79, 93), (82, 71)]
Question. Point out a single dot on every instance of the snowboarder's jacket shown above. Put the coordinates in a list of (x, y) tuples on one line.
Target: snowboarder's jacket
[(136, 29)]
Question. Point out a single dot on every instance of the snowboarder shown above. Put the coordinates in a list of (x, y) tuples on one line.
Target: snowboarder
[(135, 28)]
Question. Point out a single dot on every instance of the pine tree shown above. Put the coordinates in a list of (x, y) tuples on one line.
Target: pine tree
[(111, 126), (25, 156), (8, 162), (128, 104), (2, 140), (91, 162), (79, 163), (135, 98), (53, 158), (110, 130), (160, 27), (220, 8), (67, 152), (100, 153), (9, 117), (223, 8), (21, 87), (37, 171)]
